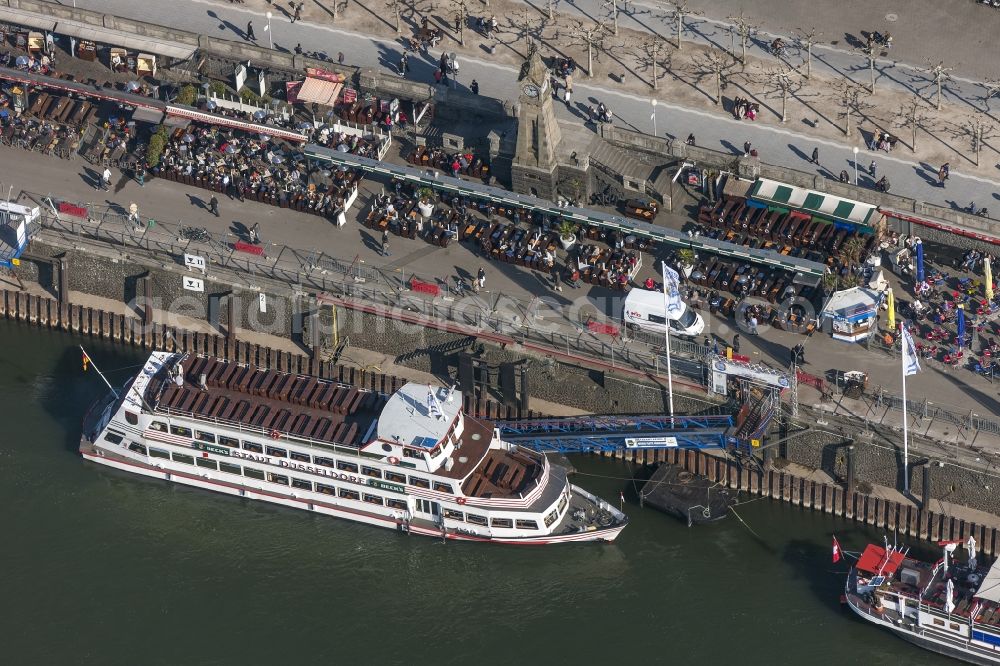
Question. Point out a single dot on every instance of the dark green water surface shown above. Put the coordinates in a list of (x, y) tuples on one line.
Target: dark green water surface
[(101, 567)]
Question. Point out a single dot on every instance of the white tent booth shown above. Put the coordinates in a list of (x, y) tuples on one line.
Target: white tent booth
[(851, 314)]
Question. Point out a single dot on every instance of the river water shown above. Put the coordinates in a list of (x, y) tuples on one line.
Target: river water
[(101, 567)]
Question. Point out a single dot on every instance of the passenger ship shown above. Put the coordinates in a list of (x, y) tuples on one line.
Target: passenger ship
[(949, 608), (411, 461)]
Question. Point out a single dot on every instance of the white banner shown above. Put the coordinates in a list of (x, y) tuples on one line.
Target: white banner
[(672, 289), (911, 364)]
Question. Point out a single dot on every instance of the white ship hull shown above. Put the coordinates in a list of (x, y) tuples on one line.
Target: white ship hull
[(275, 496), (454, 479)]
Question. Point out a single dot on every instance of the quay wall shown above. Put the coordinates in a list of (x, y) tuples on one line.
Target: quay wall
[(848, 500)]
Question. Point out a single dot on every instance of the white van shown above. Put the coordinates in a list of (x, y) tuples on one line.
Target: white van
[(645, 309)]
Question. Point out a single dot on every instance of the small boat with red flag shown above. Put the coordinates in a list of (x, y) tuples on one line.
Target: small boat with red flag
[(951, 606)]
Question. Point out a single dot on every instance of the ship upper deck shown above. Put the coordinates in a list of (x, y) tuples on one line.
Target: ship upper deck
[(914, 579), (248, 397)]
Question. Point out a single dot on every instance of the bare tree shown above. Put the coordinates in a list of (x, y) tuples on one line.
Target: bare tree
[(590, 37), (991, 88), (913, 114), (396, 7), (850, 96), (525, 25), (745, 29), (717, 64), (939, 73), (782, 80), (461, 9), (870, 51), (980, 129), (808, 38), (612, 6), (653, 54), (681, 9)]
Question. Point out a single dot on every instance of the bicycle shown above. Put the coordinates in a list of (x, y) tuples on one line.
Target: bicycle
[(196, 234)]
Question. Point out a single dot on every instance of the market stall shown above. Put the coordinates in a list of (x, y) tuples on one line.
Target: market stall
[(852, 314)]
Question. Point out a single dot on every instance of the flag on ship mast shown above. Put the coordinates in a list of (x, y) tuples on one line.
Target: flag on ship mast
[(433, 405), (837, 552)]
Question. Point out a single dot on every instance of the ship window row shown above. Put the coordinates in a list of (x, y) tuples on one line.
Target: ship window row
[(254, 473), (552, 517), (342, 465), (476, 519)]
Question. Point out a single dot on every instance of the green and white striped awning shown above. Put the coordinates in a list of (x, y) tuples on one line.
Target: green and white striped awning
[(848, 210)]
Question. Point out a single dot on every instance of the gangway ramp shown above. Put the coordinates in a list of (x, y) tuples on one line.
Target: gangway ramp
[(583, 434)]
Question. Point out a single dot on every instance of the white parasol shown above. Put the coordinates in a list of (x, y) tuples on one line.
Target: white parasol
[(949, 597), (970, 545)]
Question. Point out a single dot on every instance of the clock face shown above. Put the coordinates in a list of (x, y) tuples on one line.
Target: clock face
[(531, 90)]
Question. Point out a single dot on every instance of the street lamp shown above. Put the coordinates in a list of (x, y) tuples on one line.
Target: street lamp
[(653, 116), (270, 39), (855, 165)]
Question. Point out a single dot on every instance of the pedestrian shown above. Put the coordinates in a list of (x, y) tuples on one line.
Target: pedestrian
[(255, 233), (736, 343), (753, 325), (943, 173), (250, 36), (340, 57), (106, 179), (474, 87), (793, 355), (746, 149), (298, 12), (872, 168), (140, 175), (706, 343), (404, 66), (690, 140), (567, 94), (458, 22), (213, 205), (557, 279), (481, 277), (815, 156), (298, 49)]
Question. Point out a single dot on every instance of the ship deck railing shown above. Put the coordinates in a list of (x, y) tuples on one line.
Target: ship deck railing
[(285, 435)]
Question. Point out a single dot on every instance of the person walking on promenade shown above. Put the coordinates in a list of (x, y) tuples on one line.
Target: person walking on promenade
[(298, 12), (106, 179), (746, 149), (815, 156), (481, 277), (213, 205), (385, 243), (474, 87), (872, 168), (251, 37), (753, 325)]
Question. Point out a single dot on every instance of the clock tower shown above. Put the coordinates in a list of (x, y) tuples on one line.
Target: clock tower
[(534, 168)]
